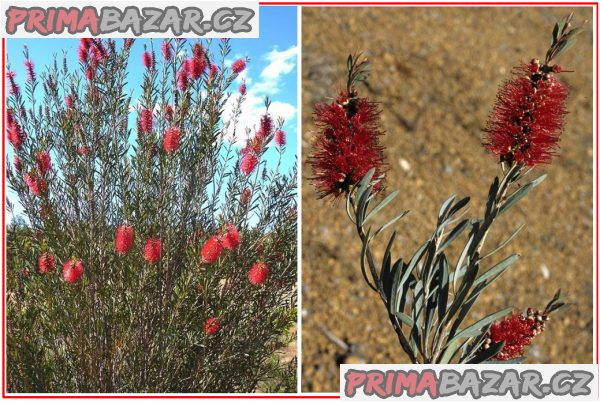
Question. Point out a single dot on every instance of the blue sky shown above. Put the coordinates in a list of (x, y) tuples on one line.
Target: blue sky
[(272, 71)]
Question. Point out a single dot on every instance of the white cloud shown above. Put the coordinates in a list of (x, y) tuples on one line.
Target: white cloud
[(280, 63), (252, 109)]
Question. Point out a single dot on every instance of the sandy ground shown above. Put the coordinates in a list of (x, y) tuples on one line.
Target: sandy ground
[(436, 72)]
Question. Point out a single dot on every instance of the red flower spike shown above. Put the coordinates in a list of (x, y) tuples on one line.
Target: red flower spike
[(280, 138), (46, 263), (167, 50), (72, 271), (212, 325), (18, 163), (528, 117), (212, 249), (249, 163), (43, 162), (517, 331), (146, 120), (147, 60), (238, 66), (213, 71), (182, 77), (242, 89), (36, 185), (15, 135), (246, 196), (13, 87), (172, 139), (153, 250), (169, 113), (124, 239), (231, 239), (347, 145), (69, 101), (266, 126), (258, 273), (29, 70)]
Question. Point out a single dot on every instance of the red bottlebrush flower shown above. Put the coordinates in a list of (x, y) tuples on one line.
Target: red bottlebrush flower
[(36, 185), (213, 71), (146, 122), (29, 70), (13, 87), (10, 117), (90, 73), (242, 89), (266, 126), (183, 76), (124, 239), (43, 162), (153, 250), (69, 101), (347, 145), (85, 43), (15, 135), (18, 163), (197, 67), (238, 66), (246, 196), (212, 249), (46, 263), (198, 62), (169, 113), (198, 51), (172, 139), (528, 117), (167, 50), (128, 43), (147, 60), (72, 270), (231, 239), (517, 331), (83, 150), (258, 273), (83, 54), (279, 138), (249, 163), (212, 325)]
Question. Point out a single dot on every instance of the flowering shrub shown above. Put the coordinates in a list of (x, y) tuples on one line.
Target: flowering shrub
[(428, 299), (155, 219)]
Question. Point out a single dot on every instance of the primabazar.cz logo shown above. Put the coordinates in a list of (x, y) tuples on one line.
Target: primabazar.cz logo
[(469, 382), (219, 19)]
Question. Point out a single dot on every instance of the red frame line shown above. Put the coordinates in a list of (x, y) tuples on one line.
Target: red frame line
[(292, 396)]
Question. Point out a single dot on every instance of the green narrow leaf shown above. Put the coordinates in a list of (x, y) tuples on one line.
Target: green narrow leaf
[(381, 205), (497, 269), (443, 286), (455, 233), (391, 291), (387, 260), (391, 222), (404, 318), (475, 329), (488, 353), (445, 206), (504, 243), (519, 194), (458, 206)]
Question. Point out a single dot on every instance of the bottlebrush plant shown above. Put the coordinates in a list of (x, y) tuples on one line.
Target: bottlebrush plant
[(427, 296), (110, 287)]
